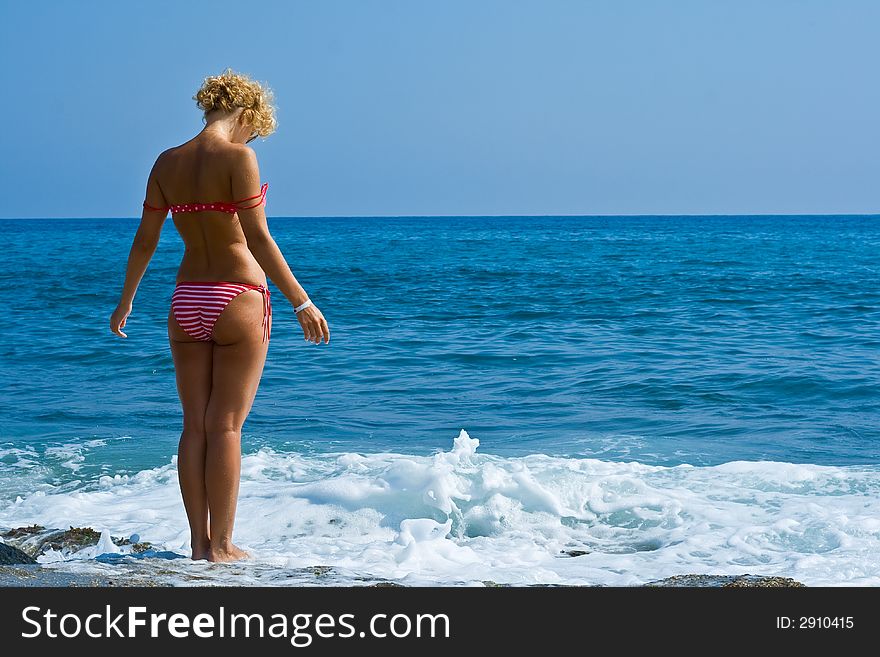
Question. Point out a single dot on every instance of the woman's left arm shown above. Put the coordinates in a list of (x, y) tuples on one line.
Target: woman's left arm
[(142, 249)]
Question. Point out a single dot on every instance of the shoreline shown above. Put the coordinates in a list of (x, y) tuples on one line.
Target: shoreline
[(127, 562), (40, 576)]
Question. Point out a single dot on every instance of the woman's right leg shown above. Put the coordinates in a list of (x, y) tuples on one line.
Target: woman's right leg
[(239, 357)]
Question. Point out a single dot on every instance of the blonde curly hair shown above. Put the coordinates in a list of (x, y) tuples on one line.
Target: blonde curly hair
[(230, 90)]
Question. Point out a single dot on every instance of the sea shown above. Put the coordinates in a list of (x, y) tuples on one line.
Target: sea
[(582, 400)]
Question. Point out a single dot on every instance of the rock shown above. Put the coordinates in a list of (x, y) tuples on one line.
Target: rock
[(574, 553), (71, 540), (10, 555), (137, 547), (758, 580), (23, 532), (35, 575), (746, 580), (384, 584), (36, 540)]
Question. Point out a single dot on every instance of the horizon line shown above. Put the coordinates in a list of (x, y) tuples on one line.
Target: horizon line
[(511, 216)]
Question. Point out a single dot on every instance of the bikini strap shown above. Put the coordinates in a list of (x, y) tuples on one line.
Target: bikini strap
[(150, 207), (267, 313), (261, 196), (267, 307)]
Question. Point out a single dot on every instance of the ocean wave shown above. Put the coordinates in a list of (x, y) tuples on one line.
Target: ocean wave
[(463, 516)]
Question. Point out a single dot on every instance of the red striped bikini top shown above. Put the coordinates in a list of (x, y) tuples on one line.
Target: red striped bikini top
[(222, 206)]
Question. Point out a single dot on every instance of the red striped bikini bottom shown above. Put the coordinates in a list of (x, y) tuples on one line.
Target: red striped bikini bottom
[(196, 305)]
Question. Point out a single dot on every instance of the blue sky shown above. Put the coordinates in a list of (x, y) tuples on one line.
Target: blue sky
[(456, 108)]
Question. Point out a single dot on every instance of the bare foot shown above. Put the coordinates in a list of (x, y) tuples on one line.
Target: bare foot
[(232, 553), (201, 551)]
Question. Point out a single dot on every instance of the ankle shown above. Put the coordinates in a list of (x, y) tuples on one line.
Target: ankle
[(221, 546)]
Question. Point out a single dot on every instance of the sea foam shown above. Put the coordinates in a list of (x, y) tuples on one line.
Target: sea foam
[(463, 517)]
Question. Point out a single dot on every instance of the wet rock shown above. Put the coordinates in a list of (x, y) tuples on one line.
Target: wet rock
[(70, 540), (136, 548), (548, 586), (758, 580), (574, 553), (36, 540), (23, 532), (745, 580), (10, 555), (36, 575), (384, 584)]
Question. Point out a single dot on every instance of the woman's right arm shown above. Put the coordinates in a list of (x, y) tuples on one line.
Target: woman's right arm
[(246, 179)]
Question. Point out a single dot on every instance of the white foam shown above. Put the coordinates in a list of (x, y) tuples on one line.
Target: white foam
[(463, 517), (31, 469)]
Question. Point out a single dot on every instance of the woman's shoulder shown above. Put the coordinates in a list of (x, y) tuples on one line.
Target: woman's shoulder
[(222, 156), (166, 155)]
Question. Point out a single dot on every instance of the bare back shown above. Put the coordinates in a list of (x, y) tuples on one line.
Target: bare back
[(215, 244)]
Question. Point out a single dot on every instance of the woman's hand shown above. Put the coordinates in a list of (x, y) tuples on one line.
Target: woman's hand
[(117, 319), (314, 325)]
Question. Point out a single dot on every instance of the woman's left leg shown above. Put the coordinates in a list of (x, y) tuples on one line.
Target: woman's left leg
[(193, 370)]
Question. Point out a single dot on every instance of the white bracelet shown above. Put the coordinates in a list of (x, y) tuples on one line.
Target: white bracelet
[(303, 306)]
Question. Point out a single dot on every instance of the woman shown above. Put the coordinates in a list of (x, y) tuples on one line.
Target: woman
[(219, 322)]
